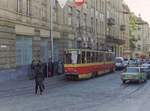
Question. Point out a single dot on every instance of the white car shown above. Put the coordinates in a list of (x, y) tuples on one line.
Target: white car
[(119, 63)]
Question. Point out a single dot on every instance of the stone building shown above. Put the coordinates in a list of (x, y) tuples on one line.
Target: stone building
[(125, 28), (25, 28), (23, 32), (141, 35), (147, 43), (115, 31), (79, 27)]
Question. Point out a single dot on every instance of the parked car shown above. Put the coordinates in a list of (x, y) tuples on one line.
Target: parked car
[(132, 63), (119, 63), (135, 74), (146, 63), (146, 69), (126, 62)]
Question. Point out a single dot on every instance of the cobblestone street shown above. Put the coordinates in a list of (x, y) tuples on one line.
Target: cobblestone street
[(105, 93)]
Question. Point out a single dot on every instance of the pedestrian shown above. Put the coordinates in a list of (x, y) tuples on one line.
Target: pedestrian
[(33, 66), (44, 65), (60, 68), (50, 67), (39, 78)]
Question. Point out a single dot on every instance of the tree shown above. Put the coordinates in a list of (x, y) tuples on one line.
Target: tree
[(132, 29), (132, 43)]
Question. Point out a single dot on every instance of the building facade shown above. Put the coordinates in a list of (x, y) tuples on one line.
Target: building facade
[(25, 31), (115, 31), (126, 29), (141, 35)]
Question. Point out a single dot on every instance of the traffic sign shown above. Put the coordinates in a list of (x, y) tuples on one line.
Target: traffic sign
[(62, 3), (79, 2)]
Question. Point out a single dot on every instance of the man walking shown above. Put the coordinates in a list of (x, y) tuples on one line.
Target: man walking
[(39, 78)]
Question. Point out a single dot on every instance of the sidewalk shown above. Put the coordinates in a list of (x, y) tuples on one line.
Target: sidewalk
[(26, 87)]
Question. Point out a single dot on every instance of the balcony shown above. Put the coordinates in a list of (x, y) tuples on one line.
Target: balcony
[(110, 21), (85, 28), (120, 41), (112, 39), (122, 27)]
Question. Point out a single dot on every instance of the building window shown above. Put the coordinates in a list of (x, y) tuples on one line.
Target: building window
[(85, 20), (23, 50), (70, 15), (139, 47), (85, 6), (44, 13), (55, 12), (78, 18), (92, 12), (96, 25), (19, 6), (70, 10), (69, 20), (54, 15), (28, 7), (92, 24)]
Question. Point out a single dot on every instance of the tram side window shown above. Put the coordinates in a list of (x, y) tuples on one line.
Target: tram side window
[(107, 56), (97, 57), (101, 57), (88, 57), (83, 57), (110, 56), (93, 57), (79, 59)]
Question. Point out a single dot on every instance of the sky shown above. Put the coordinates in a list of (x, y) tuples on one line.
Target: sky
[(141, 7)]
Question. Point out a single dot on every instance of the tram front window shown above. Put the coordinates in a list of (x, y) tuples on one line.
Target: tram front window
[(72, 57), (68, 58)]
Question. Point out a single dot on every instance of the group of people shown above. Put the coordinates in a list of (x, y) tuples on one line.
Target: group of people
[(38, 75)]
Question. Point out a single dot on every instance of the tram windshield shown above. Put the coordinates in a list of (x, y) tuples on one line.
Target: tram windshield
[(72, 57)]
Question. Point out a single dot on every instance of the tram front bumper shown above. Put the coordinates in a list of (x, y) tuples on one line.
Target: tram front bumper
[(72, 76)]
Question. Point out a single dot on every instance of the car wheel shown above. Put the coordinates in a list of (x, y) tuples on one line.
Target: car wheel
[(123, 81), (145, 80), (140, 81)]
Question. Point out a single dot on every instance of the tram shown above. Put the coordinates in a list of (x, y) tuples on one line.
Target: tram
[(84, 63)]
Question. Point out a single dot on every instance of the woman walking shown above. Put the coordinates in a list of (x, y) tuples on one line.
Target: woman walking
[(39, 78)]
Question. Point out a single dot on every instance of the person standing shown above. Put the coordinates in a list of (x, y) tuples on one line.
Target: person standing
[(50, 68), (39, 78), (33, 66), (60, 68)]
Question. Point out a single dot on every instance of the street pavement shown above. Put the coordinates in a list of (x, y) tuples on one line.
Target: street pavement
[(105, 93)]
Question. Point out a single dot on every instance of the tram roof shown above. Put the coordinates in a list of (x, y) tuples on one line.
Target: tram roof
[(90, 50)]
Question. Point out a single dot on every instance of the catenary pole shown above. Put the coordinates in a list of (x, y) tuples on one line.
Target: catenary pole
[(50, 39), (51, 30)]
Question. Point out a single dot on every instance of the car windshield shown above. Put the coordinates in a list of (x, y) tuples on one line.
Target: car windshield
[(148, 62), (125, 59), (132, 70), (144, 69)]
